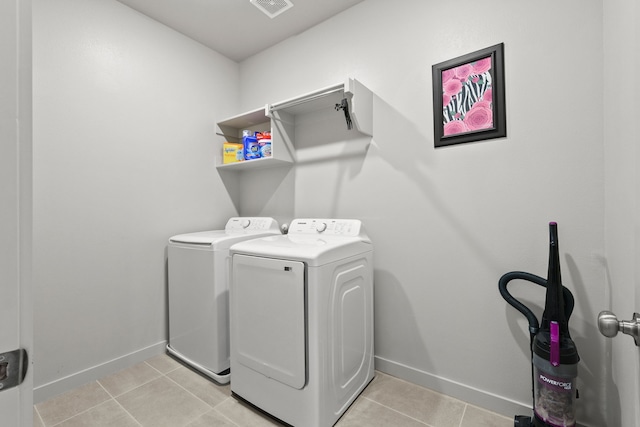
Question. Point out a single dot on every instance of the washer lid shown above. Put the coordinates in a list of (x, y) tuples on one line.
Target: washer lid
[(236, 230), (200, 238)]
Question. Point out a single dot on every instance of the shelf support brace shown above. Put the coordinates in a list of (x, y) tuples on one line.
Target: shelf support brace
[(307, 98)]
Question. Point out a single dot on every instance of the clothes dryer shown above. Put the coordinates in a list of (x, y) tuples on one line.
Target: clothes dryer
[(301, 317), (198, 285)]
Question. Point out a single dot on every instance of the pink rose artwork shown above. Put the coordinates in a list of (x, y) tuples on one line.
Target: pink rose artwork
[(470, 111), (483, 104), (463, 71), (479, 118), (452, 87), (467, 97), (447, 75), (482, 66), (455, 126), (488, 95)]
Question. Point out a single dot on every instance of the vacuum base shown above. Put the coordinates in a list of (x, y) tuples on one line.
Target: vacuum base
[(522, 421)]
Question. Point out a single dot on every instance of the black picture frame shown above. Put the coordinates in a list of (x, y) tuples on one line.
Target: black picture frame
[(470, 125)]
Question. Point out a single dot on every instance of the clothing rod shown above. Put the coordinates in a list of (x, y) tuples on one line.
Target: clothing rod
[(307, 98)]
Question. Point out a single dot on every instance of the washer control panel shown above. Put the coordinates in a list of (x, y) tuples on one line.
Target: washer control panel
[(327, 227), (251, 224)]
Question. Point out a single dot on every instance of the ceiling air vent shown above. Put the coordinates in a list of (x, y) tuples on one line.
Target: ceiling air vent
[(272, 8)]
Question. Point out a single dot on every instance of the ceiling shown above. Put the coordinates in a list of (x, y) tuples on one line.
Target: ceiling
[(237, 28)]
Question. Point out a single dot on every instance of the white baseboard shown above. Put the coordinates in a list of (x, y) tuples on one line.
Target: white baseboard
[(49, 390), (481, 398)]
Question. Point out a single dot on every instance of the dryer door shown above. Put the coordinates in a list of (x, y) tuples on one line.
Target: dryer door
[(268, 317)]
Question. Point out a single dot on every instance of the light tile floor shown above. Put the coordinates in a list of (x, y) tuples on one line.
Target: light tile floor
[(162, 392)]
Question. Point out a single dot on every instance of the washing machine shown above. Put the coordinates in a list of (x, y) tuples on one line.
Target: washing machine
[(198, 285), (301, 317)]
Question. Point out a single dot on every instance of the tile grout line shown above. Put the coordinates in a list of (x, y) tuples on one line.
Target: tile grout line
[(114, 397), (106, 391), (223, 415), (464, 411), (211, 408), (396, 411), (128, 413), (153, 367), (81, 412), (159, 371), (120, 405), (188, 391), (35, 408), (160, 375), (466, 404)]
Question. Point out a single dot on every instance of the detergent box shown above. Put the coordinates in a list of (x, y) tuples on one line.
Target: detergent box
[(264, 143), (232, 152)]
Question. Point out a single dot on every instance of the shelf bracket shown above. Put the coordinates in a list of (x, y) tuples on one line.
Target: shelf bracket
[(344, 106)]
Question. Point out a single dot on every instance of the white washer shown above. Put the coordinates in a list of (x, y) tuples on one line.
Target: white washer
[(301, 313), (199, 266)]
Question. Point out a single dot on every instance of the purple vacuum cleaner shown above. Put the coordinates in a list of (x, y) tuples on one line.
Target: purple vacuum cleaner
[(554, 356)]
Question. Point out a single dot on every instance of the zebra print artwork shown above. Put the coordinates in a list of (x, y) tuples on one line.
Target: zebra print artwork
[(469, 97), (467, 103)]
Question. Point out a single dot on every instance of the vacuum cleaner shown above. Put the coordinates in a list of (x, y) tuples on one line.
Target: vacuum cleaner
[(554, 356)]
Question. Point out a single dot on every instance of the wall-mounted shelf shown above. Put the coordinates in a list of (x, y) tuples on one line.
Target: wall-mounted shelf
[(280, 119), (263, 163)]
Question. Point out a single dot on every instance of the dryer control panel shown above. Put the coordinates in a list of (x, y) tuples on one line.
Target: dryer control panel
[(251, 223), (329, 227)]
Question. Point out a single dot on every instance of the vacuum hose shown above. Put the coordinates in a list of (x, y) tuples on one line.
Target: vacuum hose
[(534, 325)]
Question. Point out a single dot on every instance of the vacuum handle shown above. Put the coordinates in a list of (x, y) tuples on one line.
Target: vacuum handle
[(534, 325)]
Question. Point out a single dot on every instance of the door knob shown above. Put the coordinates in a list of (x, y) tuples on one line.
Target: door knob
[(609, 325)]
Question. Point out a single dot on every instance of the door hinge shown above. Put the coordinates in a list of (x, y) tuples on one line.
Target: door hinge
[(13, 368)]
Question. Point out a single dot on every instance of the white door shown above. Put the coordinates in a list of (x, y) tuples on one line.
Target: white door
[(627, 302), (16, 403), (268, 318), (634, 287), (621, 357), (624, 352)]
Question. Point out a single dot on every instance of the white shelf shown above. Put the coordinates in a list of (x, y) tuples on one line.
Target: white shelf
[(280, 119), (233, 126), (262, 163)]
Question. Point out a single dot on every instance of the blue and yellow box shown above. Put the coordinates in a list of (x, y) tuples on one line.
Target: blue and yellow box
[(232, 152)]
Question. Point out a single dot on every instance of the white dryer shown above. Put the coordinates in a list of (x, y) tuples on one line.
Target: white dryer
[(301, 314), (198, 285)]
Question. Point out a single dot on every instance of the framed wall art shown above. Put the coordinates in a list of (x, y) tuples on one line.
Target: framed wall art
[(468, 97)]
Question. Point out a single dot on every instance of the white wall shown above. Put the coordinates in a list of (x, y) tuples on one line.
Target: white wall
[(621, 369), (124, 125), (447, 223)]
